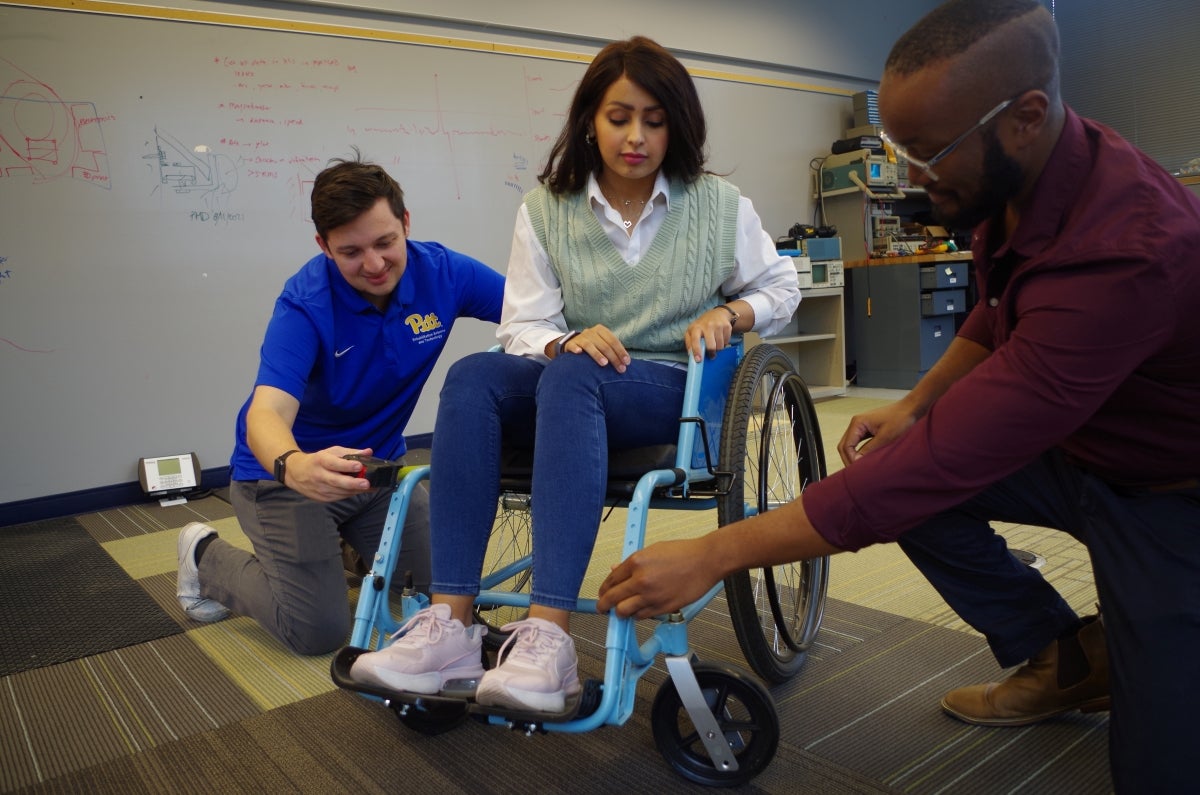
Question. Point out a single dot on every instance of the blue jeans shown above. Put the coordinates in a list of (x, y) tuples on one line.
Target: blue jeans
[(1145, 552), (576, 411)]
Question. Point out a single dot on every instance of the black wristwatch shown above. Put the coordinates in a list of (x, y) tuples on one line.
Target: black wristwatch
[(562, 341), (281, 465)]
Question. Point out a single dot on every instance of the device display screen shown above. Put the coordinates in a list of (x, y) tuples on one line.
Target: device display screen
[(169, 473)]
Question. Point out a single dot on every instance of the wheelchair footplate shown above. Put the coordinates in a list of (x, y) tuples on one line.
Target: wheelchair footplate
[(438, 712)]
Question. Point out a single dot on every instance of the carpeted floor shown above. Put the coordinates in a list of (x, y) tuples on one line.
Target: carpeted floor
[(87, 602), (144, 700)]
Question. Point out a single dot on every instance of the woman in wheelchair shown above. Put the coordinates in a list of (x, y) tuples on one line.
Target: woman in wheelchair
[(622, 262)]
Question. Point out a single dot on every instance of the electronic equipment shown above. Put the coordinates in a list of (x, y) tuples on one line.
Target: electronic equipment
[(379, 472), (828, 273), (169, 476), (838, 172), (885, 229), (871, 142), (866, 108), (822, 248), (865, 129), (885, 225), (902, 180), (817, 274), (799, 239)]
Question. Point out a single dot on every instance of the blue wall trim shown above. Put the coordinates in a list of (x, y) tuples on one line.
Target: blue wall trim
[(106, 497), (92, 500)]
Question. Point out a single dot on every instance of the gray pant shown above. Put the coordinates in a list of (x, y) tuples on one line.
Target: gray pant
[(294, 583)]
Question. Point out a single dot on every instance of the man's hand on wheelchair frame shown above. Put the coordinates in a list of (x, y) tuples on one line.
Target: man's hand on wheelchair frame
[(659, 579), (665, 576)]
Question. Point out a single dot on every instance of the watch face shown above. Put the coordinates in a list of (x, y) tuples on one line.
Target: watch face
[(279, 469), (281, 465)]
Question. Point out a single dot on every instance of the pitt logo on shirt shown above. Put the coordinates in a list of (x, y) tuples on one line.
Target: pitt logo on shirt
[(423, 323)]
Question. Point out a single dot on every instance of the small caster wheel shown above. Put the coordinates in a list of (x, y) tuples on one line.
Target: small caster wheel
[(431, 717), (745, 713), (589, 699)]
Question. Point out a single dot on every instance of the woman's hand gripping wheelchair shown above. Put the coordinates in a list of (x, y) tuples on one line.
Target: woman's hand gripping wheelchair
[(712, 723)]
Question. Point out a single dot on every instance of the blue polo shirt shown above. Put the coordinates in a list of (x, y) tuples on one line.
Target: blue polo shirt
[(357, 371)]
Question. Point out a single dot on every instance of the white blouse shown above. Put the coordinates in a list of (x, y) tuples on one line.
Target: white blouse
[(532, 314)]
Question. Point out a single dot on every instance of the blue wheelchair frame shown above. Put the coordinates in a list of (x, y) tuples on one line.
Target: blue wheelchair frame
[(692, 483)]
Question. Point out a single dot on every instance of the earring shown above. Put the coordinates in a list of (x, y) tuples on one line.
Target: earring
[(589, 139)]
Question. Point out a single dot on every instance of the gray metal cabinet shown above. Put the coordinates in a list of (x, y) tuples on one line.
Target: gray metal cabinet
[(904, 318)]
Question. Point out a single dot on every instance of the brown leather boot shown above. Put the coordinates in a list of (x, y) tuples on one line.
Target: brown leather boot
[(1034, 692)]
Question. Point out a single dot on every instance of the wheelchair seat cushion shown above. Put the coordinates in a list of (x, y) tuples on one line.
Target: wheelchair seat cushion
[(625, 467)]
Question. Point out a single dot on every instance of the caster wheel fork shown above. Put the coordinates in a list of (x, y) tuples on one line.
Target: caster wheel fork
[(714, 725)]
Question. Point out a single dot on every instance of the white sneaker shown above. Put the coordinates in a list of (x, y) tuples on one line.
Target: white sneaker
[(538, 674), (429, 650), (187, 584)]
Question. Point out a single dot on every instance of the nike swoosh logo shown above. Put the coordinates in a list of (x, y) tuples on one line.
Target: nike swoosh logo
[(339, 354)]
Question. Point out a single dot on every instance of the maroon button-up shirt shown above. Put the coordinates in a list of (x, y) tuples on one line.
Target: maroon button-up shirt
[(1092, 313)]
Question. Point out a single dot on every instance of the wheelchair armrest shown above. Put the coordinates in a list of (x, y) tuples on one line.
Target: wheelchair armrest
[(705, 394)]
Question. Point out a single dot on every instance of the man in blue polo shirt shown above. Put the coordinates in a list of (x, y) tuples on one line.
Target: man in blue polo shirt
[(354, 337)]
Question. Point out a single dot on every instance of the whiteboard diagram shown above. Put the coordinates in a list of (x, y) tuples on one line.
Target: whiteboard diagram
[(197, 169), (46, 137)]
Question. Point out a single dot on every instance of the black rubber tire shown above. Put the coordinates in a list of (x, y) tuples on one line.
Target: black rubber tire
[(745, 713), (771, 441), (432, 718)]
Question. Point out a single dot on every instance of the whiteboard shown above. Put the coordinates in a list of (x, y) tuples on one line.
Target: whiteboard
[(154, 177)]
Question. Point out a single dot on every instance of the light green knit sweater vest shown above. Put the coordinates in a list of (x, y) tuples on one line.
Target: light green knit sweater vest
[(650, 305)]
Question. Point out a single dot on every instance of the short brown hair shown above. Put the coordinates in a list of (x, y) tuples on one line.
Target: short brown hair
[(347, 189)]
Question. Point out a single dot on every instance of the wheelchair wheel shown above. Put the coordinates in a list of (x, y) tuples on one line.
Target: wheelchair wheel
[(745, 714), (431, 718), (509, 544), (772, 444)]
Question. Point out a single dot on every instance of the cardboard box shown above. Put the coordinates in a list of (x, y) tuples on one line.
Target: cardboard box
[(936, 234)]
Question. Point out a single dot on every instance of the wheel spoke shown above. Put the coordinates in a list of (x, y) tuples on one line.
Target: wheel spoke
[(776, 451), (509, 543)]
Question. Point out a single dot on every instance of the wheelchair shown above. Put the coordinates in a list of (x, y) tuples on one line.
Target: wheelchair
[(748, 442)]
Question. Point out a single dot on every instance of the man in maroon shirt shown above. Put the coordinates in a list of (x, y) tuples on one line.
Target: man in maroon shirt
[(1069, 399)]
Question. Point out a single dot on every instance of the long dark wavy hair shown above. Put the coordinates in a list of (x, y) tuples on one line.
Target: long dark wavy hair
[(660, 74)]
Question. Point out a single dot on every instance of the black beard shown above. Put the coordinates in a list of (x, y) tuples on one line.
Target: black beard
[(1002, 180)]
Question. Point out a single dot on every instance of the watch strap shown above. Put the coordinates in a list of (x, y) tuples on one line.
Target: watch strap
[(733, 315), (281, 465), (562, 341)]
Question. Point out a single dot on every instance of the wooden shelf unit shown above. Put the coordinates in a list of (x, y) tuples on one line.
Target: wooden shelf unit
[(815, 341)]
